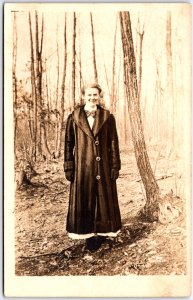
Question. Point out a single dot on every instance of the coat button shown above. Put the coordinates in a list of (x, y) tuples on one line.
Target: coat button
[(98, 177), (98, 158), (96, 143)]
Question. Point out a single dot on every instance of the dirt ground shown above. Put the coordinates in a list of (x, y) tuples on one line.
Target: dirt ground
[(42, 246)]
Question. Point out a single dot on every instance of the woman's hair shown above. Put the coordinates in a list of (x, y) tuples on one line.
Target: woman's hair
[(92, 85)]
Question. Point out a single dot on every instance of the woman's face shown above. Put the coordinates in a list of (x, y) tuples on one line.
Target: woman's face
[(91, 97)]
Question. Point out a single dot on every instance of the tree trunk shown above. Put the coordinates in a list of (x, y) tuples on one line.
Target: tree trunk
[(38, 87), (81, 80), (34, 95), (93, 50), (140, 62), (113, 96), (38, 62), (117, 91), (125, 117), (58, 68), (57, 154), (107, 79), (151, 209), (39, 46), (30, 122), (46, 85), (74, 61), (57, 93)]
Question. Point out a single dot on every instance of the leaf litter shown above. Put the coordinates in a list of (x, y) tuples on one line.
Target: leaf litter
[(42, 246)]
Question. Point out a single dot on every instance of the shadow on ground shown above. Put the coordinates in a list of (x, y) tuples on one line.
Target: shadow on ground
[(70, 260)]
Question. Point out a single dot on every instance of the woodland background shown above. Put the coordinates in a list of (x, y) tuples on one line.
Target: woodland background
[(71, 49), (54, 55)]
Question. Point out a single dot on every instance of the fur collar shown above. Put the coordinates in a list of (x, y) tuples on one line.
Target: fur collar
[(80, 119)]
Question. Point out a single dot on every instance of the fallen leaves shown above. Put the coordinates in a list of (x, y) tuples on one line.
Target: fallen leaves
[(43, 247), (88, 257)]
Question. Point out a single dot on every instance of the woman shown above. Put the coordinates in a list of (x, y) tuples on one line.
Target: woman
[(92, 164)]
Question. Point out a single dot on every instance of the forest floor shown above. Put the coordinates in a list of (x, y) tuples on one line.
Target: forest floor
[(42, 246)]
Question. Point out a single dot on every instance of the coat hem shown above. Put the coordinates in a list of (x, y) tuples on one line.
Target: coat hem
[(77, 236)]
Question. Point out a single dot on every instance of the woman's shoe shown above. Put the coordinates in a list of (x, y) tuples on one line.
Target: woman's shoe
[(90, 243), (101, 239)]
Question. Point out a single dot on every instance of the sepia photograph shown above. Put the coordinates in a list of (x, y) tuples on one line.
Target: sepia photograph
[(97, 150)]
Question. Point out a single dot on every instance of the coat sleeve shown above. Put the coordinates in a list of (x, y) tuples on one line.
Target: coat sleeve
[(114, 145), (69, 145)]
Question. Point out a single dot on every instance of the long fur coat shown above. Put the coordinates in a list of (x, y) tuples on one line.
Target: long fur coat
[(92, 154)]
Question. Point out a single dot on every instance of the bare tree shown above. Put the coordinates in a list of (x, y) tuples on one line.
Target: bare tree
[(141, 34), (74, 60), (24, 165), (47, 85), (152, 190), (113, 95), (81, 80), (58, 67), (117, 91), (39, 72), (57, 92), (139, 56), (34, 95), (57, 154), (125, 116), (107, 79), (93, 50)]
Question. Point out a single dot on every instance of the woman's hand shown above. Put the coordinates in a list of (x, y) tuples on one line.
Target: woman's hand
[(114, 174), (70, 175)]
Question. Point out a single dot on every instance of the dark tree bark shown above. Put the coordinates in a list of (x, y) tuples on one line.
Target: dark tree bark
[(93, 50), (151, 209), (74, 61)]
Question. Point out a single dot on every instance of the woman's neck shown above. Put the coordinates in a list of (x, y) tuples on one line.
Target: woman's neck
[(90, 107)]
